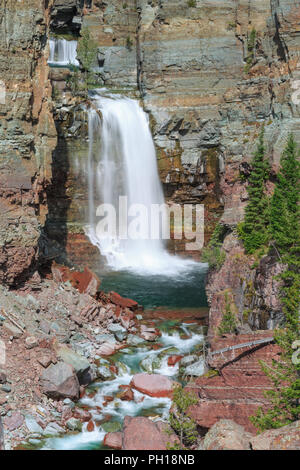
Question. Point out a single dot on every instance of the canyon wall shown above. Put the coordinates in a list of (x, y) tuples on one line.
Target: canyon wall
[(27, 135)]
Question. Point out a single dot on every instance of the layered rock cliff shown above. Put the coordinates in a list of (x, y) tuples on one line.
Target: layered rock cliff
[(27, 135)]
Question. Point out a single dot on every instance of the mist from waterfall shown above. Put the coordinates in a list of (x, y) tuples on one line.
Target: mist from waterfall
[(122, 162), (63, 53)]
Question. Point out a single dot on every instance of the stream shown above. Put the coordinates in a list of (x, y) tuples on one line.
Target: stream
[(178, 337)]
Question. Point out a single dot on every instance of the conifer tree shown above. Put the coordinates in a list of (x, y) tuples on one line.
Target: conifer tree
[(285, 230), (254, 229), (284, 212)]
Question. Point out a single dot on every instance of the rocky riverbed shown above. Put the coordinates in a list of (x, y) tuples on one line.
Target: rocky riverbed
[(80, 362)]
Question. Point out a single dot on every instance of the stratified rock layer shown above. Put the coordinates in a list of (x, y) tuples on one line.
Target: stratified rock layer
[(27, 135)]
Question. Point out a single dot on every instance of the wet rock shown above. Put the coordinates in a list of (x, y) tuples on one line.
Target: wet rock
[(74, 424), (153, 385), (113, 440), (226, 435), (149, 334), (197, 369), (143, 434), (60, 381), (6, 388), (172, 360), (90, 426), (104, 373), (82, 414), (126, 394), (285, 438), (111, 426), (150, 363)]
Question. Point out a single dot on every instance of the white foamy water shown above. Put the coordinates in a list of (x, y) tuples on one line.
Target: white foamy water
[(63, 52), (122, 162)]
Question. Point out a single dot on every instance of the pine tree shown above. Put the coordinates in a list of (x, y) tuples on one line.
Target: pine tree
[(285, 230), (284, 212), (254, 230)]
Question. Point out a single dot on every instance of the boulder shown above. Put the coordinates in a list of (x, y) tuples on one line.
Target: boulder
[(285, 438), (226, 435), (60, 381), (79, 363), (154, 385), (113, 440), (141, 433)]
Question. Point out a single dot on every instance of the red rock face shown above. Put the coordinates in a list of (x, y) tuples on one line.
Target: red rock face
[(153, 385), (238, 391), (113, 440), (143, 434), (85, 282), (117, 299)]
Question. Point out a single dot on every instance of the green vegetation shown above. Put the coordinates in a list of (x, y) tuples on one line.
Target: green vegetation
[(180, 421), (284, 234), (87, 52), (213, 254), (228, 323), (192, 3), (254, 230), (129, 43), (251, 50), (284, 213)]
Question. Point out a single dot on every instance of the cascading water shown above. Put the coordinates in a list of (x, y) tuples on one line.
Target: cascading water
[(122, 162), (63, 53)]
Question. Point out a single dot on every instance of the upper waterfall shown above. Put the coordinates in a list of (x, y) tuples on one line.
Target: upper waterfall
[(63, 52), (122, 162)]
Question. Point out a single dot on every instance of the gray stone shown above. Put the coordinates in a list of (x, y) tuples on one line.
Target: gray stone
[(104, 373), (60, 381), (74, 424), (53, 429), (80, 364), (134, 340), (32, 425)]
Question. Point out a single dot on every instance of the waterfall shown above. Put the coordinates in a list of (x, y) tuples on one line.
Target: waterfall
[(63, 52), (122, 162)]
